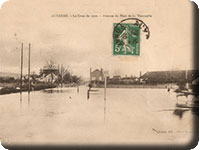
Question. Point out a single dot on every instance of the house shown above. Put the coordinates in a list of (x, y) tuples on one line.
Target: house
[(49, 75), (96, 76), (49, 78), (114, 80), (129, 80), (123, 80), (117, 77)]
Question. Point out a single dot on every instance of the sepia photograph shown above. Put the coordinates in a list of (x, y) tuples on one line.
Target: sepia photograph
[(91, 73)]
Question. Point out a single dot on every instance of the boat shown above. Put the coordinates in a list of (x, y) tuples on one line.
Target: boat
[(188, 103)]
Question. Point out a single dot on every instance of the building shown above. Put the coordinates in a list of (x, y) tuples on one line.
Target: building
[(117, 77), (49, 75), (129, 80), (50, 78), (165, 77), (123, 80), (96, 76)]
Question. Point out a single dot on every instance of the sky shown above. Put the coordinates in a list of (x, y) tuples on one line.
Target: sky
[(81, 43)]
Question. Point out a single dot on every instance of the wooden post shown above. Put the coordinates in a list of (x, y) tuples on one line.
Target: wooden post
[(90, 75), (105, 83), (21, 68), (58, 80), (61, 69), (88, 94), (29, 54)]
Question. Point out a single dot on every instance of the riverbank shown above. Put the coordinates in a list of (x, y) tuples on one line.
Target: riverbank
[(161, 86), (9, 89)]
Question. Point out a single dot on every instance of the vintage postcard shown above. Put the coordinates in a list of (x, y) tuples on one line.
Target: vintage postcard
[(98, 73)]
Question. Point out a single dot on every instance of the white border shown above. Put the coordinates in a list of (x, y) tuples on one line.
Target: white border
[(196, 1)]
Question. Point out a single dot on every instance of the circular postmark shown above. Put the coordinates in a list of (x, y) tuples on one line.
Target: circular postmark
[(137, 22), (126, 36)]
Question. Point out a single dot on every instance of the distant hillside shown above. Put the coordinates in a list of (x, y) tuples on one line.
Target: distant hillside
[(8, 74)]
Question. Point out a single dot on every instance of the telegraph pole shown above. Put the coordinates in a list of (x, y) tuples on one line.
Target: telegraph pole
[(21, 68), (29, 55), (105, 86), (105, 82)]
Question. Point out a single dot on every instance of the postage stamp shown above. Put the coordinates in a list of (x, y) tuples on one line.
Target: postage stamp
[(126, 39), (127, 34)]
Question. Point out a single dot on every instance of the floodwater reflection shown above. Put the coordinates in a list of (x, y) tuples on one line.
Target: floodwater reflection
[(24, 97), (180, 112), (57, 90)]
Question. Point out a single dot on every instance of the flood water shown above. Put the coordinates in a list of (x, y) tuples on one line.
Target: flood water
[(64, 116)]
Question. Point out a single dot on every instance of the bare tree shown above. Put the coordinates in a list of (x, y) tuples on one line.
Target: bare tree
[(63, 71), (50, 64)]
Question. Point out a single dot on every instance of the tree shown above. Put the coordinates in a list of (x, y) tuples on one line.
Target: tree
[(50, 64), (67, 78), (75, 79), (64, 74)]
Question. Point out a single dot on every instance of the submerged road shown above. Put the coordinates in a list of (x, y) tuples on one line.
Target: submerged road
[(65, 116)]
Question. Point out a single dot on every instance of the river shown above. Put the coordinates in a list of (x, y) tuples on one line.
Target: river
[(65, 116)]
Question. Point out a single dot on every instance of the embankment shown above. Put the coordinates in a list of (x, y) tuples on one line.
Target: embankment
[(9, 90)]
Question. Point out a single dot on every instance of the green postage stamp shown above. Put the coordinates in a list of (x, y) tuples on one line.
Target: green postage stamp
[(126, 39)]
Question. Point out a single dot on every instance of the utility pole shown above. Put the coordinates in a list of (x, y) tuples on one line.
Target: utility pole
[(21, 68), (105, 83), (105, 86), (29, 55)]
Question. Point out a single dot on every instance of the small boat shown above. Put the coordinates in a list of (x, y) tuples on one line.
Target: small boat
[(193, 103)]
